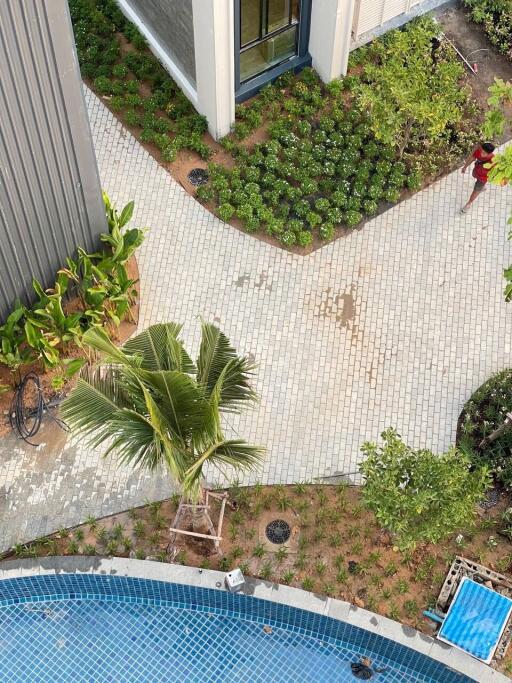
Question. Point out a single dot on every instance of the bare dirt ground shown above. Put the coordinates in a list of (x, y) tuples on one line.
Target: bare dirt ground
[(336, 547), (473, 44)]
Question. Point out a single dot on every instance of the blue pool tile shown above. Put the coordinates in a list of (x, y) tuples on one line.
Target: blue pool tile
[(84, 627)]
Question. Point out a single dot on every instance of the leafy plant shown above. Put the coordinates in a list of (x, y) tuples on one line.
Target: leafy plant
[(265, 571), (416, 495), (258, 550), (485, 412), (307, 584), (422, 94), (156, 407)]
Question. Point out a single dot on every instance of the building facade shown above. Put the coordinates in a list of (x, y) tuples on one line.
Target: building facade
[(50, 195), (223, 51)]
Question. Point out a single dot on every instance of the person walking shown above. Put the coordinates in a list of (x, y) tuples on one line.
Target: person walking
[(482, 156)]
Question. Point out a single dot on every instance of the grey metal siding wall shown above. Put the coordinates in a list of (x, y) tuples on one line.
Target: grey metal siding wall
[(171, 22), (50, 196)]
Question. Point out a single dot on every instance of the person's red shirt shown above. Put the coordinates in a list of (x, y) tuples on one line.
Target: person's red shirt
[(481, 159)]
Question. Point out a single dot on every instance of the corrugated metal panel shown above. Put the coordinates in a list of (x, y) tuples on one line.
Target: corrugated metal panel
[(370, 15), (374, 13), (392, 8), (50, 199)]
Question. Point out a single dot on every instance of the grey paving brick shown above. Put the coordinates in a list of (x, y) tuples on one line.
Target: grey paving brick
[(395, 324)]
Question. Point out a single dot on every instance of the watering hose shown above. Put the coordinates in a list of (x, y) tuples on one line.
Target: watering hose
[(27, 421)]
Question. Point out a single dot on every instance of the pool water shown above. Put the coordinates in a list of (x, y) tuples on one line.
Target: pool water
[(86, 640), (94, 638)]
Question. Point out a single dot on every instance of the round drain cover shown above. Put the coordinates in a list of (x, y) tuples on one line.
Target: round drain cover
[(198, 176), (278, 531)]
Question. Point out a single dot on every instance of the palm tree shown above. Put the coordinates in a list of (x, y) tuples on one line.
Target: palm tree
[(152, 406)]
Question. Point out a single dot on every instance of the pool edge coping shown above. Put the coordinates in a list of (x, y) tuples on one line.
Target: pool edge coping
[(293, 597)]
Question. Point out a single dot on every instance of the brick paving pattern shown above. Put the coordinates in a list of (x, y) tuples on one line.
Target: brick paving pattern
[(395, 324)]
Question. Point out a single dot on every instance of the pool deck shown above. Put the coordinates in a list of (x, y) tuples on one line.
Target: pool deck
[(286, 595)]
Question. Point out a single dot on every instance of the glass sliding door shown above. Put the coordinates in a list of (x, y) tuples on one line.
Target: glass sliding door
[(269, 34)]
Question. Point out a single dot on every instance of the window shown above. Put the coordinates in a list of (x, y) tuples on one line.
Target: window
[(269, 33)]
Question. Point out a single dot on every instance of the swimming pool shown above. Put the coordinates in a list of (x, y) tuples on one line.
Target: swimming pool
[(102, 628)]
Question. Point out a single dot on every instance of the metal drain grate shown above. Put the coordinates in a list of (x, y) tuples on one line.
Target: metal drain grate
[(198, 176), (278, 531)]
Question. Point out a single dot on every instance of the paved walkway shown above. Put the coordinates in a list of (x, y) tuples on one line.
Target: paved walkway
[(394, 325)]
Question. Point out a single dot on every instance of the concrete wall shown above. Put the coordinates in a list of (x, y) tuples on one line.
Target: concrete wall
[(373, 18), (329, 37), (50, 197), (215, 63), (194, 41), (171, 23)]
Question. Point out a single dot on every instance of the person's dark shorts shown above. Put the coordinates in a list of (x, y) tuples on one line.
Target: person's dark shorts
[(479, 186)]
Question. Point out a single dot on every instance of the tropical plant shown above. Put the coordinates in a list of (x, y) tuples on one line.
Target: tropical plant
[(500, 173), (152, 406), (485, 412), (419, 496), (412, 85), (13, 350), (496, 18)]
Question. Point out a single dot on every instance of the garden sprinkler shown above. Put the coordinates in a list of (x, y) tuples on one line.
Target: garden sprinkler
[(475, 64)]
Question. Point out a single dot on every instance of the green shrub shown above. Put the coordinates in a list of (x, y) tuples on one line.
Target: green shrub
[(147, 135), (132, 118), (419, 496), (205, 193), (353, 218), (244, 212), (132, 87), (485, 411), (304, 238), (327, 231), (117, 103), (496, 18), (313, 219), (169, 153), (339, 199), (225, 212), (252, 224), (414, 180), (370, 207), (133, 100), (288, 238), (118, 88), (392, 194), (322, 205), (120, 70)]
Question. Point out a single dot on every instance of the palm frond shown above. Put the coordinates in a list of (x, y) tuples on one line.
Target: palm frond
[(233, 385), (236, 453), (179, 399), (94, 401), (134, 441), (160, 348), (175, 454), (217, 357), (98, 339)]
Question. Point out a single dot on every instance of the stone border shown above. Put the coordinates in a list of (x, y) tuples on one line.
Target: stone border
[(286, 595)]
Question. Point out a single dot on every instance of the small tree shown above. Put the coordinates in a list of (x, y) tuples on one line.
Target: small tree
[(152, 406), (500, 100), (416, 495), (411, 86)]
